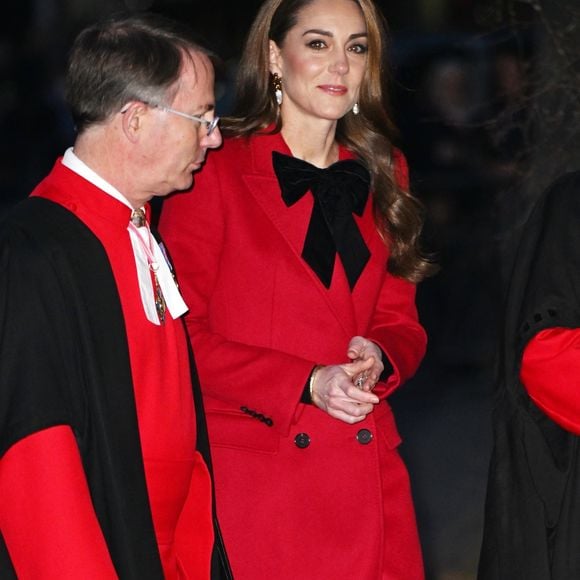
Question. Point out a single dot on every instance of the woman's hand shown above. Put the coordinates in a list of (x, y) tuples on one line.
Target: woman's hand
[(334, 392), (363, 349)]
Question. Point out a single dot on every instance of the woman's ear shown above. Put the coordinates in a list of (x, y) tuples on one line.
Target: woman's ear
[(275, 59)]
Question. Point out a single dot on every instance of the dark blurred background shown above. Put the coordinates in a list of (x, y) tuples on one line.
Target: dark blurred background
[(485, 94)]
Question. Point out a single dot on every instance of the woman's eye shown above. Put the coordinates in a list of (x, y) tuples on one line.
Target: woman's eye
[(317, 44), (359, 48)]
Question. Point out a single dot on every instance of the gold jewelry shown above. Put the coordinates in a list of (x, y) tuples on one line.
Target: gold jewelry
[(312, 379), (138, 218), (277, 82), (138, 223)]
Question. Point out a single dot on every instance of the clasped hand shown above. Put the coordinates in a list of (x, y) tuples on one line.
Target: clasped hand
[(334, 389)]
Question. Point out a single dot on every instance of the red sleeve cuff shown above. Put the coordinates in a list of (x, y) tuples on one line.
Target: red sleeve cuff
[(45, 503), (550, 372)]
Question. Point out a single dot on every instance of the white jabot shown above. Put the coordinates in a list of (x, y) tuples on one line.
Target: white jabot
[(173, 299)]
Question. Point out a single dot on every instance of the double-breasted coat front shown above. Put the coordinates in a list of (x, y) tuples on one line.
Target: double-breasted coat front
[(300, 495)]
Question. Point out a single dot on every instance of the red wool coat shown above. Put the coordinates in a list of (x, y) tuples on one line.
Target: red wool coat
[(300, 495)]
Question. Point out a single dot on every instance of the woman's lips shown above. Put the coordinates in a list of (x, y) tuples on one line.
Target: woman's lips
[(333, 89)]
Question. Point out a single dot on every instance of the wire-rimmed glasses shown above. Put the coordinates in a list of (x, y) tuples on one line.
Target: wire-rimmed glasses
[(209, 124)]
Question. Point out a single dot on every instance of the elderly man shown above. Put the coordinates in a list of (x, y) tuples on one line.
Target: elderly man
[(104, 462)]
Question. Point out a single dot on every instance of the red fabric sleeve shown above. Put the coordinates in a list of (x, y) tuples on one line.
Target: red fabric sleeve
[(246, 369), (395, 325), (550, 372), (46, 515)]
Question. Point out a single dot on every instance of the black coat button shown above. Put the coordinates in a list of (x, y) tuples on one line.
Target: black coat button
[(302, 440), (364, 436)]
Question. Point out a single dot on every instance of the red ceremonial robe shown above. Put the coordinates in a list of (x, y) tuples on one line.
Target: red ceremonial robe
[(300, 494), (51, 512)]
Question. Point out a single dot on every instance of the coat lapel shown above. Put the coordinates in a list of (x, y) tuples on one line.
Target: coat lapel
[(292, 223)]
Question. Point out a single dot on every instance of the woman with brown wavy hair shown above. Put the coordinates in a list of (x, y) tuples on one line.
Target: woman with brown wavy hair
[(297, 253)]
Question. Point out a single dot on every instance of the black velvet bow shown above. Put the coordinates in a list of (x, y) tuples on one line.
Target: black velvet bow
[(339, 191)]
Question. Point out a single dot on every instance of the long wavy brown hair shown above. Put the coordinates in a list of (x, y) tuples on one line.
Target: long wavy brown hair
[(398, 214)]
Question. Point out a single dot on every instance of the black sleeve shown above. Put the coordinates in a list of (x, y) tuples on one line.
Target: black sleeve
[(548, 264), (388, 367), (34, 372)]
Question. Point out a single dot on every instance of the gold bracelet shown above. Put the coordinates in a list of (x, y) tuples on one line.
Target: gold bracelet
[(313, 378)]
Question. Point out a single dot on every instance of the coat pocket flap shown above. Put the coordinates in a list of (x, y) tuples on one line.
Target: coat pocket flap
[(237, 430)]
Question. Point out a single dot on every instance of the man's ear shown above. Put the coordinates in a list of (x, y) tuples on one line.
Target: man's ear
[(275, 59), (133, 119)]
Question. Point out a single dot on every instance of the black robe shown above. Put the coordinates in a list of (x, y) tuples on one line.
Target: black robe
[(532, 513), (65, 360)]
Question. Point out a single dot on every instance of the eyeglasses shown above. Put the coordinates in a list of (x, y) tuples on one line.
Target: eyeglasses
[(210, 125)]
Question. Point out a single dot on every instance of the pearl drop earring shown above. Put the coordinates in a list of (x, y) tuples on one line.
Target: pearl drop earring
[(277, 82)]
